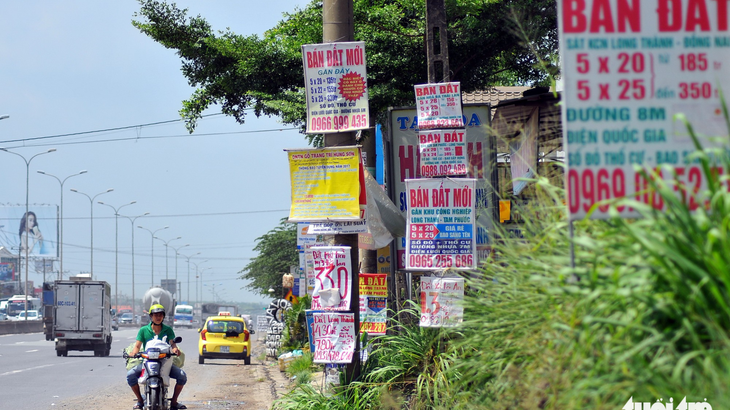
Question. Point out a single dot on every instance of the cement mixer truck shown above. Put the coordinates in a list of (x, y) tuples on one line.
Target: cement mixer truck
[(158, 295)]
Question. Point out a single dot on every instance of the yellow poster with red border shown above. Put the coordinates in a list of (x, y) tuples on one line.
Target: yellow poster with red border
[(325, 184)]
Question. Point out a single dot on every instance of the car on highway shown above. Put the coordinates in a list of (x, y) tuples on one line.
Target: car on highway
[(126, 318), (32, 315), (115, 323), (224, 337)]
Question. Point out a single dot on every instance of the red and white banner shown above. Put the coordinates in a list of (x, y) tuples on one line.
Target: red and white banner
[(629, 67)]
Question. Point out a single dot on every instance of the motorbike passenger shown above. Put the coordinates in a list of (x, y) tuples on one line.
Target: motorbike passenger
[(145, 334)]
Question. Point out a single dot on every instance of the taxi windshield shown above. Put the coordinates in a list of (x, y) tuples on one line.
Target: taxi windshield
[(223, 326)]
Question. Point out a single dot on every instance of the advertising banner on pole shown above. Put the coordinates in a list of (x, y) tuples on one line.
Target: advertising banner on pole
[(325, 184), (405, 154), (443, 152), (336, 86), (629, 68), (334, 337), (439, 105), (373, 303), (440, 224), (441, 301), (331, 274)]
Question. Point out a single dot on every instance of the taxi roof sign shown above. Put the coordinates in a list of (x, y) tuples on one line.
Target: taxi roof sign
[(224, 313)]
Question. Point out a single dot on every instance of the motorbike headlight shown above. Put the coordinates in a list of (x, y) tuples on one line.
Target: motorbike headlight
[(153, 354)]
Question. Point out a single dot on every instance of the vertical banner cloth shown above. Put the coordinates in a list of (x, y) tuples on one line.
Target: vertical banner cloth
[(373, 303), (629, 67), (325, 184), (441, 301), (335, 81), (440, 224), (334, 337), (330, 273)]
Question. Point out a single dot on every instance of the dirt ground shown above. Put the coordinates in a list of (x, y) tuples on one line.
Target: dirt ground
[(216, 385)]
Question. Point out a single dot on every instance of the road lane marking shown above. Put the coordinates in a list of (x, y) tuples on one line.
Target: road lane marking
[(25, 370)]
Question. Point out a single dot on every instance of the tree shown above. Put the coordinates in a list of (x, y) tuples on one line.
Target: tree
[(277, 251), (491, 42)]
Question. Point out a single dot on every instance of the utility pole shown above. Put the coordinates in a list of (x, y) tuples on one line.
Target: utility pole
[(338, 26), (437, 50)]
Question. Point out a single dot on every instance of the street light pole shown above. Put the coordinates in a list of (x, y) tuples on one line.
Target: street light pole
[(152, 240), (60, 235), (188, 258), (116, 250), (132, 219), (27, 191), (176, 253), (166, 246), (91, 202)]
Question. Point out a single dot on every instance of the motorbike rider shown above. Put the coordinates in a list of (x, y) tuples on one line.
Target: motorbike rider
[(145, 334)]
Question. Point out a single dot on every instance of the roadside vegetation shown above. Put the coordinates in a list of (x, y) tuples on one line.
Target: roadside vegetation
[(645, 313)]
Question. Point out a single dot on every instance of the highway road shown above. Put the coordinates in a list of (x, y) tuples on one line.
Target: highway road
[(33, 377)]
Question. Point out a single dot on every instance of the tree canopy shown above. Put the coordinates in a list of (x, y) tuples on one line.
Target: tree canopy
[(277, 251), (490, 42)]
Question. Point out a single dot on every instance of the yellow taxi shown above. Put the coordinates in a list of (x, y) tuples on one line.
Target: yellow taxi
[(224, 337)]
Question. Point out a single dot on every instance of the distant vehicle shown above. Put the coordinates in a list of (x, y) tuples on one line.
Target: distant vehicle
[(32, 315), (225, 337), (115, 323), (126, 318), (3, 316), (184, 316), (16, 304)]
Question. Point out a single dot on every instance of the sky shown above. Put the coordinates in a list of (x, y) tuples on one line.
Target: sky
[(72, 67)]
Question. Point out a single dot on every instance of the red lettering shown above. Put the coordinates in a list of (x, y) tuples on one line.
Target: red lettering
[(629, 14), (670, 15), (315, 59), (409, 163), (574, 21), (601, 17), (722, 15), (697, 16)]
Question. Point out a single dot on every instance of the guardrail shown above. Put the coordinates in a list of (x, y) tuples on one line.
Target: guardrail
[(9, 327)]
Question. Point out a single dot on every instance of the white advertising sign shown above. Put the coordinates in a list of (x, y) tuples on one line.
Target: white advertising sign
[(629, 67), (404, 130), (336, 87), (439, 105), (443, 152), (330, 273), (440, 224), (441, 301), (334, 337)]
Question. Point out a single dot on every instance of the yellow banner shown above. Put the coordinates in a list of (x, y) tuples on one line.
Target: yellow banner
[(325, 184)]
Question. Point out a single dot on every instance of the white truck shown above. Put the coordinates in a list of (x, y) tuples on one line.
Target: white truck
[(82, 316)]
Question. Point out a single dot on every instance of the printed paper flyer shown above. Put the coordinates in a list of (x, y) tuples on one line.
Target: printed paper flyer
[(440, 224), (334, 337), (373, 303), (439, 105), (325, 184), (443, 152), (441, 301), (336, 87)]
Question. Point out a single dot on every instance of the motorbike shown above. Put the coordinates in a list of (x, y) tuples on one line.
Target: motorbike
[(155, 378)]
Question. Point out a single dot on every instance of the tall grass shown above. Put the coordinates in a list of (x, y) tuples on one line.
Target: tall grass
[(645, 312)]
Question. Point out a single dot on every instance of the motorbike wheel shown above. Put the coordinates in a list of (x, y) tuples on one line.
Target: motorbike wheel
[(153, 399)]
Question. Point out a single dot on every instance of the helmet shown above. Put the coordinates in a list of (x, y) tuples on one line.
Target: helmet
[(157, 308)]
